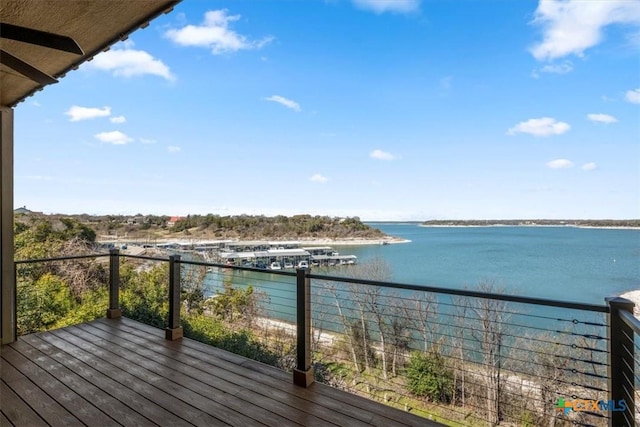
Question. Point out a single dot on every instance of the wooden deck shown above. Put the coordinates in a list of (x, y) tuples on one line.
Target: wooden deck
[(121, 372)]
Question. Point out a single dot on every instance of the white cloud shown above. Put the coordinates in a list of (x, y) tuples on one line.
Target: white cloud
[(571, 26), (589, 166), (602, 118), (77, 113), (115, 137), (560, 164), (118, 119), (319, 178), (564, 68), (284, 101), (147, 140), (394, 6), (36, 104), (173, 149), (215, 34), (130, 63), (381, 155), (633, 96), (544, 126)]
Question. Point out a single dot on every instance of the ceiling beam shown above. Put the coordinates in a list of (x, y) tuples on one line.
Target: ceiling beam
[(40, 38), (25, 69)]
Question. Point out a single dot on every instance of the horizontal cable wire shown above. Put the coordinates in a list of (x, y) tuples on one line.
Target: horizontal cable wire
[(471, 318), (441, 334)]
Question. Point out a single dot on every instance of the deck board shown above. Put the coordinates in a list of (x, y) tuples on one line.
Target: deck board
[(205, 379), (106, 403), (262, 392), (71, 400), (359, 411), (121, 372)]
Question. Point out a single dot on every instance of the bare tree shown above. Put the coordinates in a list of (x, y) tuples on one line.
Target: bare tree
[(192, 288), (488, 331), (547, 367), (400, 338), (371, 304), (457, 347), (421, 313), (346, 324)]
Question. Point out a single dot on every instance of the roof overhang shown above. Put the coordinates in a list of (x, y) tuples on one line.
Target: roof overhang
[(94, 24)]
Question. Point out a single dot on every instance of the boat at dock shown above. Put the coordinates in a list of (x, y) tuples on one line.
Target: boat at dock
[(278, 255)]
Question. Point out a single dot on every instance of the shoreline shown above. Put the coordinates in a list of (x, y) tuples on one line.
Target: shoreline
[(303, 242), (603, 227)]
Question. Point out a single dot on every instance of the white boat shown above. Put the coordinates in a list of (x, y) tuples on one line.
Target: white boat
[(275, 266), (288, 265), (303, 264)]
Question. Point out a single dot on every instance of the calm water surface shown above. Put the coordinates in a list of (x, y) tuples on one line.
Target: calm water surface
[(561, 263), (566, 263)]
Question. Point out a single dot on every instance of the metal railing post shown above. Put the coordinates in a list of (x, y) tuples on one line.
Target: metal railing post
[(114, 311), (303, 373), (621, 363), (174, 330)]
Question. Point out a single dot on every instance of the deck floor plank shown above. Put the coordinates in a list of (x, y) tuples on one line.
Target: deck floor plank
[(44, 405), (100, 399), (4, 421), (132, 376), (272, 398), (110, 372), (359, 410), (69, 399), (276, 387), (219, 400), (142, 405), (16, 410), (211, 382)]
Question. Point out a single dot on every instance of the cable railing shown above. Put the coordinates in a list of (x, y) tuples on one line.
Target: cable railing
[(462, 357), (51, 292), (625, 363)]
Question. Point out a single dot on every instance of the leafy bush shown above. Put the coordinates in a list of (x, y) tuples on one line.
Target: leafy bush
[(42, 303), (144, 295), (215, 333), (428, 376)]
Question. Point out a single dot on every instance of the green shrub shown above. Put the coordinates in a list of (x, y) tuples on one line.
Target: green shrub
[(213, 332), (428, 376)]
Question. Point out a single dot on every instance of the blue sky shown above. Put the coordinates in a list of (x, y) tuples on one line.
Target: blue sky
[(383, 109)]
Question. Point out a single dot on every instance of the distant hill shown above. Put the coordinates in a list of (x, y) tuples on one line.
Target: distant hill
[(243, 227), (532, 222)]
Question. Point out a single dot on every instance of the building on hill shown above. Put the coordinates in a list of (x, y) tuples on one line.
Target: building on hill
[(172, 221), (22, 210)]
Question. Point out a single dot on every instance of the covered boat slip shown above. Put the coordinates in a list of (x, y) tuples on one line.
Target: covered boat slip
[(282, 256), (121, 372)]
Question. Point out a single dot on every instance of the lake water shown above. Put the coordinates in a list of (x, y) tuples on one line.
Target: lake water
[(564, 263), (561, 263)]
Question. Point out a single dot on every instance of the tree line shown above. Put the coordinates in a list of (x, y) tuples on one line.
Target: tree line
[(246, 227), (277, 227), (544, 222)]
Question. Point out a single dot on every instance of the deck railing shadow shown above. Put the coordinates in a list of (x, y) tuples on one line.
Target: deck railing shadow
[(463, 357)]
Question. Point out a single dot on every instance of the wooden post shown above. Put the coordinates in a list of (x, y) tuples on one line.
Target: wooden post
[(8, 313), (114, 311), (303, 373), (174, 330), (621, 363)]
